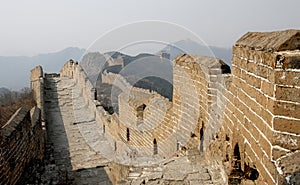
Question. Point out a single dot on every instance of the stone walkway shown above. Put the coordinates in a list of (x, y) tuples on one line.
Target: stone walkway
[(184, 170), (73, 161)]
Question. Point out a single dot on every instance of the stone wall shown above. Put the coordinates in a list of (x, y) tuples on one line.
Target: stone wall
[(109, 77), (253, 113), (37, 87), (198, 100), (145, 118), (22, 144)]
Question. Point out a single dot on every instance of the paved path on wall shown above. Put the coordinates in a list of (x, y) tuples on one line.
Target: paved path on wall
[(192, 169), (71, 158)]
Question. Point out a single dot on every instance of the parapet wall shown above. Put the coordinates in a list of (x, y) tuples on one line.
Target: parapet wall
[(141, 128), (109, 77), (198, 100), (37, 87), (250, 118), (22, 144)]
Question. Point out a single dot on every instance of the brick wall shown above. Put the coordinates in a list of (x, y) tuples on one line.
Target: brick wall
[(22, 143), (155, 123), (253, 113), (198, 101)]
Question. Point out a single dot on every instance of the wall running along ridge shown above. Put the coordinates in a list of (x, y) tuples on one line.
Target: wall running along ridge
[(115, 126), (250, 119)]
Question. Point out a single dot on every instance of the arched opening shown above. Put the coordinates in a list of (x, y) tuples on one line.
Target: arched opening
[(95, 94), (127, 134), (155, 147), (104, 129), (236, 152), (140, 111), (236, 174), (236, 157), (201, 133)]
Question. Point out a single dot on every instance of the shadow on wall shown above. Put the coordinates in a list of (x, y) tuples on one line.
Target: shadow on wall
[(21, 145)]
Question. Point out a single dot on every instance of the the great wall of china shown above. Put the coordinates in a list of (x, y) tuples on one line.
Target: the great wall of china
[(249, 119)]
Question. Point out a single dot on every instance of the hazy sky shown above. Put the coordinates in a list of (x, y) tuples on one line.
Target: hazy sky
[(35, 26)]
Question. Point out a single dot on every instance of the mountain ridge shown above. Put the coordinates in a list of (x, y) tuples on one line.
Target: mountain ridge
[(15, 70), (191, 47)]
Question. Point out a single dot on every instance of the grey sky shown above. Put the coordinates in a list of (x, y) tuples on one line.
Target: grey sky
[(34, 26)]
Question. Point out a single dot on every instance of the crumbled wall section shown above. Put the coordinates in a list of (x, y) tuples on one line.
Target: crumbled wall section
[(257, 106), (21, 144)]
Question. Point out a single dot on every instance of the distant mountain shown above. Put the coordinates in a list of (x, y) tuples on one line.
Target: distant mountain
[(94, 63), (4, 91), (15, 70), (191, 47)]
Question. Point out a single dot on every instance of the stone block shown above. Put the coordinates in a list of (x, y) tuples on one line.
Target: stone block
[(287, 125), (284, 77), (286, 141), (287, 93), (267, 88), (252, 67), (262, 71), (289, 109)]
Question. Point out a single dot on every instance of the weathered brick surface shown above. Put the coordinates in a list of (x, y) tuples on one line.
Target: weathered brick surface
[(287, 125), (261, 102), (22, 142)]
